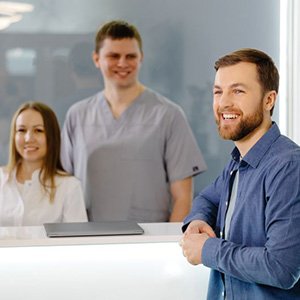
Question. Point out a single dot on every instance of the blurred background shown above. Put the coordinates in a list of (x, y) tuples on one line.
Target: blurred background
[(46, 48)]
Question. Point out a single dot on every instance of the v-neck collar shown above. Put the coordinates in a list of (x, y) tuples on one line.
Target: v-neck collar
[(131, 107)]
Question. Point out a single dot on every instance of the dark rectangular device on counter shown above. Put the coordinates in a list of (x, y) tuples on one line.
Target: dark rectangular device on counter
[(105, 228)]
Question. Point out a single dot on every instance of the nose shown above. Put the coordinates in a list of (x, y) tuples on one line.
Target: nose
[(225, 100), (29, 136), (122, 62)]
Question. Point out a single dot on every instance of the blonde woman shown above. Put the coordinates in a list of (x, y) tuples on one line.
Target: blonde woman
[(34, 188)]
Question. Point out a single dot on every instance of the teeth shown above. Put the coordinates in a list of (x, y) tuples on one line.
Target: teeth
[(30, 148), (122, 73), (229, 116)]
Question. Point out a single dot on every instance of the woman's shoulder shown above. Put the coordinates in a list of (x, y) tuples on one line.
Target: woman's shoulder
[(67, 185), (4, 174), (63, 178), (3, 171)]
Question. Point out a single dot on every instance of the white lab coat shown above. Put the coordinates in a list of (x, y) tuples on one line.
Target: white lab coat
[(32, 206)]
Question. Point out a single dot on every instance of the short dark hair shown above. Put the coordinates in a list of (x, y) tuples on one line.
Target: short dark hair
[(117, 30), (268, 75)]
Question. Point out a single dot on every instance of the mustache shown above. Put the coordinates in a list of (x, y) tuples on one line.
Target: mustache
[(229, 111)]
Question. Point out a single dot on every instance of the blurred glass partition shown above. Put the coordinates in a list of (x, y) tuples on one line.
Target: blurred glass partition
[(46, 56)]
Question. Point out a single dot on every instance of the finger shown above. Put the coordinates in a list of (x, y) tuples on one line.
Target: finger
[(192, 229), (181, 243), (210, 231)]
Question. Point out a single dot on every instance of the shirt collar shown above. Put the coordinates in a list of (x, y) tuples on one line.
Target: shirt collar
[(34, 177), (257, 152)]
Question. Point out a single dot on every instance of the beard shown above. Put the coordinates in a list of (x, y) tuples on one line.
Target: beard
[(243, 128)]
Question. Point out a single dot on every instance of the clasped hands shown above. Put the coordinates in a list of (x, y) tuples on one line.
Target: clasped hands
[(193, 240)]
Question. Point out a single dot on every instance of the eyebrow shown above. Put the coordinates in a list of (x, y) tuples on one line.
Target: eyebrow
[(119, 53), (38, 125), (234, 85)]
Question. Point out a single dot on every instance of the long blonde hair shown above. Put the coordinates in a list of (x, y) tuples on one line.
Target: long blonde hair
[(52, 164)]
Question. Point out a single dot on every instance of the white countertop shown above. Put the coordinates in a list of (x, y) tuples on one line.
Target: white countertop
[(36, 236), (149, 266)]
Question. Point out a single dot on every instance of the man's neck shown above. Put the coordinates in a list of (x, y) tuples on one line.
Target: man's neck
[(120, 98), (245, 144)]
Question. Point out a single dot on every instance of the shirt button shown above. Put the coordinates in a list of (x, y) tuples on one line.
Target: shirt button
[(221, 233), (226, 203), (223, 294), (231, 172)]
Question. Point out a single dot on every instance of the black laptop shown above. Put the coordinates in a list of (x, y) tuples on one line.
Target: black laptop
[(105, 228)]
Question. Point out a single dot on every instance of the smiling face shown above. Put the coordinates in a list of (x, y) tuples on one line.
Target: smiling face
[(30, 137), (241, 108), (119, 61)]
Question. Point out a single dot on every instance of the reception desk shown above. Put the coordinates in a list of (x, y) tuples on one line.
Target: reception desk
[(150, 266)]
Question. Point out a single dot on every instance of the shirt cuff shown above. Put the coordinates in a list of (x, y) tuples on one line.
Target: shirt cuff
[(209, 252), (190, 218)]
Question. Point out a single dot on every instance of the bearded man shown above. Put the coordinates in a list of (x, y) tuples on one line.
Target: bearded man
[(246, 225)]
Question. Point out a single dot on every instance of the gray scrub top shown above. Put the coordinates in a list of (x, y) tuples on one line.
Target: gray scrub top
[(126, 164)]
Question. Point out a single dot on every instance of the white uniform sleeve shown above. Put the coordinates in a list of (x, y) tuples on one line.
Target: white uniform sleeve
[(11, 204), (74, 207)]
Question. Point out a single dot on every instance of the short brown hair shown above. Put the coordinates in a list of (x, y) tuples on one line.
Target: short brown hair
[(117, 30), (52, 163), (268, 75)]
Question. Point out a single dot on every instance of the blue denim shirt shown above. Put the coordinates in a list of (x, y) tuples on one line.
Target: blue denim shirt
[(261, 257)]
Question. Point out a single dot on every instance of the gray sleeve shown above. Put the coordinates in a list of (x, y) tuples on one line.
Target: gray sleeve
[(66, 153), (183, 157)]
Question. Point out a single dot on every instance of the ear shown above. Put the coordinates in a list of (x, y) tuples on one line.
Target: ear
[(96, 57), (269, 100)]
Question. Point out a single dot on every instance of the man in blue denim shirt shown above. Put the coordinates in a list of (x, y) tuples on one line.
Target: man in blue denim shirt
[(259, 256)]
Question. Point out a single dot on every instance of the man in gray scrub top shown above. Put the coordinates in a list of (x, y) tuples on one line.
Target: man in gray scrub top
[(131, 147)]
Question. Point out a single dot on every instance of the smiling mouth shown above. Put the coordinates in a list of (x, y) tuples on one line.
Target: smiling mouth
[(30, 149), (229, 116), (122, 74)]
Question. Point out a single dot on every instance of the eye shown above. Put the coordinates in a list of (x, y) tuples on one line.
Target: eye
[(21, 130), (217, 92), (113, 56), (39, 130), (238, 91), (131, 56)]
